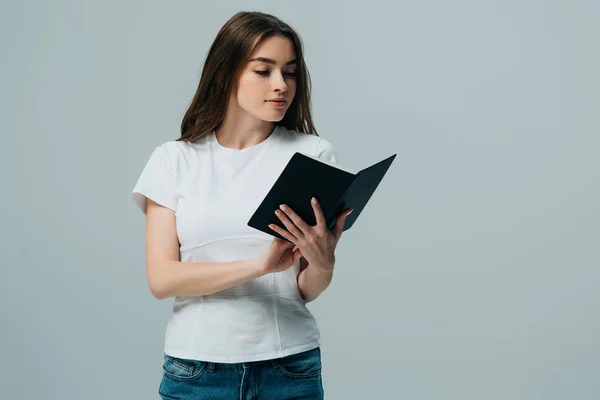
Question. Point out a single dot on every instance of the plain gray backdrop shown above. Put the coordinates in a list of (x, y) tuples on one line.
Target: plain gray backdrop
[(473, 273)]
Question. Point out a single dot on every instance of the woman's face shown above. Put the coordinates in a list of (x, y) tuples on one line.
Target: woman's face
[(270, 74)]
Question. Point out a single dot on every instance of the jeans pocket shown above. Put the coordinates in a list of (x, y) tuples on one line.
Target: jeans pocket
[(302, 365), (180, 369)]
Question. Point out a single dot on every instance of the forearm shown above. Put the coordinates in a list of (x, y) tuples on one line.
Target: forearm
[(312, 281), (178, 278)]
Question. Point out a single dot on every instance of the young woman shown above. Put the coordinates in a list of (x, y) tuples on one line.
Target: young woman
[(239, 328)]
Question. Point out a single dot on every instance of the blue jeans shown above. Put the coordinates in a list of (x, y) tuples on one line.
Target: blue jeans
[(297, 376)]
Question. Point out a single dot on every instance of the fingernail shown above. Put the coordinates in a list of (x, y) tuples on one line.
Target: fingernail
[(283, 207), (313, 200), (350, 212)]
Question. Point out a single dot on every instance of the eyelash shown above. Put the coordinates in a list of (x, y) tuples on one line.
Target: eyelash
[(265, 73)]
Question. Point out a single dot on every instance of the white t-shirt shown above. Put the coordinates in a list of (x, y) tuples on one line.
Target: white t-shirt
[(214, 190)]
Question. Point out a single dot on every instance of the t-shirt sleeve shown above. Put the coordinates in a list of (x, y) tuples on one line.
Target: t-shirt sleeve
[(156, 182), (325, 151)]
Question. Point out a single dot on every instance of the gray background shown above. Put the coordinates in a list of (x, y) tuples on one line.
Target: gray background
[(472, 274)]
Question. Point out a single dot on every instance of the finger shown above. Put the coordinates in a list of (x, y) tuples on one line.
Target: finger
[(320, 217), (339, 225), (284, 233), (279, 241), (292, 221), (297, 255)]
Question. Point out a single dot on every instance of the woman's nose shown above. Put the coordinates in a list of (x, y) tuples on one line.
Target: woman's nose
[(280, 82)]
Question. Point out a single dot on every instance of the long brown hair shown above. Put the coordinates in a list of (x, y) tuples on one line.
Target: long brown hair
[(226, 59)]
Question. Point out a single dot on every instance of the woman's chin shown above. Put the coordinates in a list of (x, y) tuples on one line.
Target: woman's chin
[(273, 117)]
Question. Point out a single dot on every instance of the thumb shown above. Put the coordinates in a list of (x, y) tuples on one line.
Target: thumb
[(339, 225), (297, 255)]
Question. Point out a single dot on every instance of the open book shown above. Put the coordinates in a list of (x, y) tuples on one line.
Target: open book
[(335, 188)]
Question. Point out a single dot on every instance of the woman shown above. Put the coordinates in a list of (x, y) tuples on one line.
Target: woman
[(239, 327)]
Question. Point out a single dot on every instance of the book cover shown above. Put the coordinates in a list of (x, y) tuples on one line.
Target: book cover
[(336, 189)]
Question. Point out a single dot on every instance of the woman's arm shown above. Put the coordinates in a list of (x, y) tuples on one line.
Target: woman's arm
[(312, 281), (168, 277), (317, 245)]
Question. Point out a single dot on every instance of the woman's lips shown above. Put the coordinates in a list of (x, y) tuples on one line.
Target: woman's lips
[(277, 104)]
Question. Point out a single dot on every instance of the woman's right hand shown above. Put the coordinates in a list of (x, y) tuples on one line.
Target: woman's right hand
[(279, 256)]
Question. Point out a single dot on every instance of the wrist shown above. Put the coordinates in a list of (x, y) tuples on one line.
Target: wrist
[(321, 270), (257, 265), (324, 267)]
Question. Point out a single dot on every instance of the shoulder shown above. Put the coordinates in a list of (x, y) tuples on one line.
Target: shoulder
[(174, 149), (181, 155)]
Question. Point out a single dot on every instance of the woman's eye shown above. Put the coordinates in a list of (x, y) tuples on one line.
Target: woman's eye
[(266, 73)]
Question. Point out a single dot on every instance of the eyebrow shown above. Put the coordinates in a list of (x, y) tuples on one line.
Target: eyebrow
[(271, 61)]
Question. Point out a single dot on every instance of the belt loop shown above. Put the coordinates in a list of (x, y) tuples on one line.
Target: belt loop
[(210, 367), (274, 363)]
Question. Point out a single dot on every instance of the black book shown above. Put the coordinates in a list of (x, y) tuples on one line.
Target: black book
[(336, 190)]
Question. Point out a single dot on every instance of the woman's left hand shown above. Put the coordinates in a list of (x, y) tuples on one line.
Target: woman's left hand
[(316, 243)]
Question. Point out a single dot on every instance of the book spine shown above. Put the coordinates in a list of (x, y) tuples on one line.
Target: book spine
[(331, 219)]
